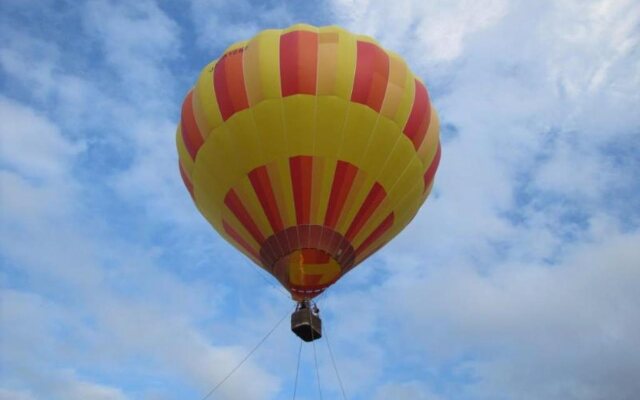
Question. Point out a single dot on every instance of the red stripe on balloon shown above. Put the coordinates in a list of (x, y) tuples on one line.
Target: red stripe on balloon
[(239, 240), (372, 75), (301, 169), (431, 171), (238, 209), (298, 62), (374, 198), (418, 123), (190, 133), (228, 83), (293, 237), (288, 63), (261, 183), (314, 256), (342, 183), (376, 234), (322, 237)]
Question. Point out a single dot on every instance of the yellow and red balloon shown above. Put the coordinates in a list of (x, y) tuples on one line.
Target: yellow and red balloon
[(308, 149)]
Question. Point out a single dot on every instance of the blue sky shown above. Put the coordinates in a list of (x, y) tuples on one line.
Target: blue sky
[(519, 278)]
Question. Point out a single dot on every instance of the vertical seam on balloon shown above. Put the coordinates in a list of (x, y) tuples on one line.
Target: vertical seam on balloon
[(366, 73), (183, 153), (392, 207), (430, 173), (357, 187), (284, 124), (240, 101), (424, 146), (340, 190), (377, 233), (299, 89), (186, 180), (365, 153), (227, 103), (240, 240), (344, 124), (366, 104), (287, 41), (399, 177), (340, 146), (371, 139), (419, 183), (314, 179), (235, 105), (371, 202), (386, 162), (256, 134), (234, 203), (416, 119), (301, 168), (191, 136), (275, 175), (221, 89), (225, 130), (260, 177)]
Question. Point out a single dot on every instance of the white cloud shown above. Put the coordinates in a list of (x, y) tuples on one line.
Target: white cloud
[(578, 173), (439, 27), (36, 326), (36, 161), (409, 390), (136, 39), (89, 316), (518, 278), (15, 395), (31, 144), (39, 71), (17, 58), (153, 178), (68, 386), (219, 23), (139, 42), (79, 307)]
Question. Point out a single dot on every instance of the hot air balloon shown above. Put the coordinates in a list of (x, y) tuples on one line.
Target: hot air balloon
[(308, 149)]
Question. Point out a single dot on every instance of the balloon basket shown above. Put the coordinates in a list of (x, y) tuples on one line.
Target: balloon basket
[(306, 322)]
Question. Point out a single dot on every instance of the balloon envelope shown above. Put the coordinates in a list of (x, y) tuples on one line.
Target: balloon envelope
[(308, 149)]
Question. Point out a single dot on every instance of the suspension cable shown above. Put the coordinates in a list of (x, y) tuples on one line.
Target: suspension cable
[(246, 357), (295, 384), (315, 357), (271, 283), (333, 361)]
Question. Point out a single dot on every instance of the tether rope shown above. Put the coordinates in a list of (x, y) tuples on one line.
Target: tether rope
[(295, 384), (315, 357), (246, 357), (270, 282), (333, 361)]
